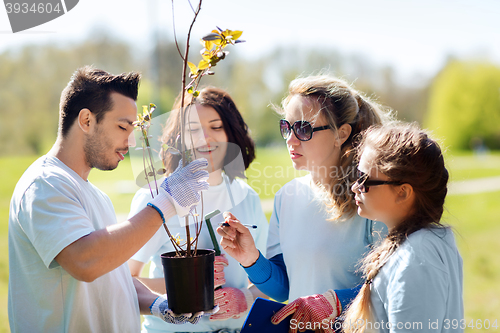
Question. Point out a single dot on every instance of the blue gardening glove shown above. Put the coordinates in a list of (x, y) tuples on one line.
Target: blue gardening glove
[(160, 309), (182, 188)]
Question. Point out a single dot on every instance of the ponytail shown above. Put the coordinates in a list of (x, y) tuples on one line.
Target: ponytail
[(359, 311), (404, 153)]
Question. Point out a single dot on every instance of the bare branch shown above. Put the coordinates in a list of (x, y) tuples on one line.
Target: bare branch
[(183, 93), (175, 34)]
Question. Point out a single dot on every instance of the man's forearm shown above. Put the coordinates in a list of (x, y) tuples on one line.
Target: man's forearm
[(156, 285), (145, 296), (104, 250)]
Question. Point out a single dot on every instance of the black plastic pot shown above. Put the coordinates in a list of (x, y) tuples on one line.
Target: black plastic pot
[(189, 281)]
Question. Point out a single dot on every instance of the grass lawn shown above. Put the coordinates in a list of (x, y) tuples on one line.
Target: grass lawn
[(463, 165), (474, 217), (11, 169)]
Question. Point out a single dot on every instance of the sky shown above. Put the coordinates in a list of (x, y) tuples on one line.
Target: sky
[(414, 36)]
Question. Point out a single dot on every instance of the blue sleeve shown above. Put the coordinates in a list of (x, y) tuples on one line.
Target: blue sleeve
[(270, 277), (346, 296)]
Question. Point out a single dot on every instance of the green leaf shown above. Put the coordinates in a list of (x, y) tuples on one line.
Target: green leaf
[(168, 149)]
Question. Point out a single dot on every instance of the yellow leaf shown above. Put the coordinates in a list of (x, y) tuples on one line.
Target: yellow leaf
[(152, 108), (192, 67), (235, 34), (203, 64), (209, 45), (206, 56), (147, 111), (219, 41)]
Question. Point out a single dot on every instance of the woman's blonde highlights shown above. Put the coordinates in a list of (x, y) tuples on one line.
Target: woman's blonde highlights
[(340, 104)]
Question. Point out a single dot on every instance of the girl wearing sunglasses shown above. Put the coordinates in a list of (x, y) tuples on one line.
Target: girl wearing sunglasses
[(415, 275), (315, 235)]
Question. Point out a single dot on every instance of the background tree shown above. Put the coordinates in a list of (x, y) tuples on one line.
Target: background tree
[(31, 81), (464, 105), (32, 78)]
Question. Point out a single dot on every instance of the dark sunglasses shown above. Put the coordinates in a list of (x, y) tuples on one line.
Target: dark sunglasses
[(363, 182), (303, 129)]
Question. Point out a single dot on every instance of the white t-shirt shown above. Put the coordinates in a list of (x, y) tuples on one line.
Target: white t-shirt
[(319, 255), (420, 288), (247, 209), (52, 207)]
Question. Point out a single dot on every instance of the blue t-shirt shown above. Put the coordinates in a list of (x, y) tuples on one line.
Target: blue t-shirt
[(420, 288), (318, 254)]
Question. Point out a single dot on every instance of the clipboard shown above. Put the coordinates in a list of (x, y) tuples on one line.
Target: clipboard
[(259, 318)]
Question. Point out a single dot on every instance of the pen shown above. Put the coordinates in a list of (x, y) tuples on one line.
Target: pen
[(253, 226)]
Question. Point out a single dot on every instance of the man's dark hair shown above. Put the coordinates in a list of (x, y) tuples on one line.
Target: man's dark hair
[(91, 88)]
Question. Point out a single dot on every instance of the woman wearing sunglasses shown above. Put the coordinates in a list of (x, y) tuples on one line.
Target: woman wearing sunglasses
[(315, 235)]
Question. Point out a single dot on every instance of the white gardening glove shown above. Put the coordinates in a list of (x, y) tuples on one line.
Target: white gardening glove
[(311, 309), (182, 189), (232, 302), (160, 309)]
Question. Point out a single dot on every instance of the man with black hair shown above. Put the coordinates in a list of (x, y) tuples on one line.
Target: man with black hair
[(67, 254)]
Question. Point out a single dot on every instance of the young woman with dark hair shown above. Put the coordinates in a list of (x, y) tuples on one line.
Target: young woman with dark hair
[(215, 130)]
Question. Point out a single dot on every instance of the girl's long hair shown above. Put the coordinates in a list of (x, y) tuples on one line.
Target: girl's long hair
[(340, 104), (406, 154)]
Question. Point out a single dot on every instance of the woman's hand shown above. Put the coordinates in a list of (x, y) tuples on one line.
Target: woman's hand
[(309, 310), (219, 277), (232, 302), (237, 241)]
